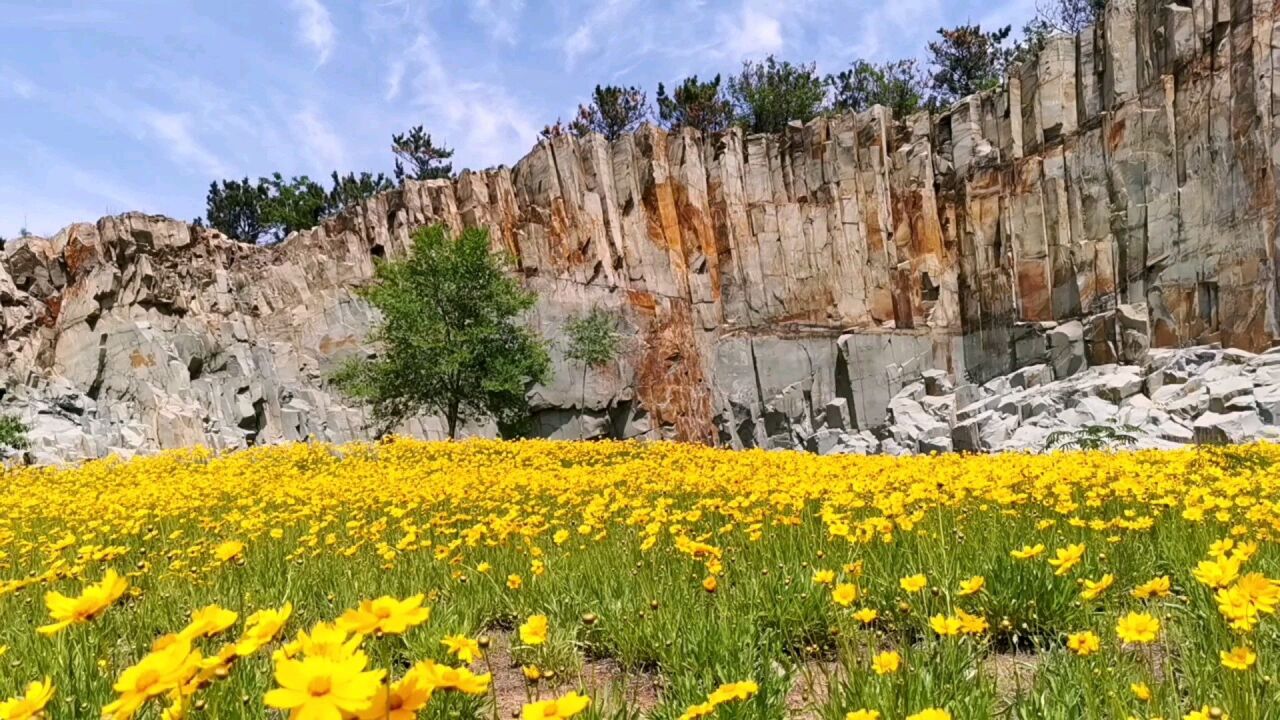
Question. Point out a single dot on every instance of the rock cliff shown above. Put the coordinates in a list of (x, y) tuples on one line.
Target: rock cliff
[(1120, 193)]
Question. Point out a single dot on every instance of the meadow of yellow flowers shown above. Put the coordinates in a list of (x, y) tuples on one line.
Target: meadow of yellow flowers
[(406, 580)]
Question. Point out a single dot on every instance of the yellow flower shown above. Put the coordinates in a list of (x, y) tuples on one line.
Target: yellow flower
[(1140, 691), (972, 586), (1206, 713), (1066, 558), (386, 615), (886, 663), (914, 583), (91, 602), (710, 584), (1156, 587), (844, 594), (1093, 589), (208, 621), (30, 704), (228, 550), (971, 624), (862, 715), (560, 537), (168, 666), (514, 582), (1217, 573), (403, 700), (321, 687), (325, 640), (534, 630), (945, 626), (562, 707), (462, 647), (1138, 628), (1028, 552), (443, 677), (866, 616), (531, 672), (1240, 658), (484, 568), (261, 628), (700, 710), (733, 691), (824, 577), (930, 714), (1084, 643)]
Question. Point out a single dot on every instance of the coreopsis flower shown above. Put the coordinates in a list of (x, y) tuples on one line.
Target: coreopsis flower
[(403, 700), (228, 551), (208, 621), (1239, 658), (971, 624), (844, 594), (1206, 713), (1260, 591), (261, 628), (1028, 552), (1140, 691), (700, 710), (443, 677), (1084, 643), (325, 640), (734, 691), (386, 615), (1066, 558), (321, 687), (1217, 573), (886, 663), (30, 704), (930, 714), (91, 602), (866, 616), (863, 714), (914, 583), (710, 584), (972, 586), (534, 630), (1138, 628), (565, 706), (945, 626), (168, 666), (462, 647), (1156, 587), (484, 568), (514, 582), (824, 577), (1092, 590)]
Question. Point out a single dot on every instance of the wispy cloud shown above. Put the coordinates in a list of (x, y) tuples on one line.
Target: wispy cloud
[(586, 36), (500, 19), (316, 27), (319, 140), (174, 132), (749, 33), (14, 83)]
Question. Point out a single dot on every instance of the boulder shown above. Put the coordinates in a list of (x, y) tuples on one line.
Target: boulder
[(1220, 428)]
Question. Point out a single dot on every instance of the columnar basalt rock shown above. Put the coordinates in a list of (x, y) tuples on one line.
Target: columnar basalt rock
[(760, 278)]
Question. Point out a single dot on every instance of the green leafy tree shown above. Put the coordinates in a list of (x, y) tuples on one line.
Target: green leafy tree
[(895, 85), (696, 104), (966, 60), (451, 338), (593, 341), (352, 189), (13, 433), (1093, 437), (612, 112), (235, 208), (294, 204), (419, 158), (769, 94)]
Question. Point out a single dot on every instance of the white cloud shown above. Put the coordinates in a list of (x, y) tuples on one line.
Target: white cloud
[(395, 77), (316, 27), (498, 18), (176, 137), (585, 38), (322, 145), (752, 33), (13, 83)]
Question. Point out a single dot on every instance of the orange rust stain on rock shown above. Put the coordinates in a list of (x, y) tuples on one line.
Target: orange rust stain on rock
[(329, 345), (138, 360), (642, 301), (52, 309), (1115, 134), (670, 382)]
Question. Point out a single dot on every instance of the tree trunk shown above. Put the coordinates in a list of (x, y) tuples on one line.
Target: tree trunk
[(452, 418), (582, 415)]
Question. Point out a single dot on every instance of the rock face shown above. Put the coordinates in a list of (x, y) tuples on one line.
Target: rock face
[(1120, 194)]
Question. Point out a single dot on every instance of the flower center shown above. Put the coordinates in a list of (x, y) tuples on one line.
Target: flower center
[(319, 685)]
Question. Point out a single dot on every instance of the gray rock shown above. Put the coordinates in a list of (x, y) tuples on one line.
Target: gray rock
[(1218, 428)]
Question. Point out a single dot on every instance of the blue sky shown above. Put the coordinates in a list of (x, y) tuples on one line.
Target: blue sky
[(115, 105)]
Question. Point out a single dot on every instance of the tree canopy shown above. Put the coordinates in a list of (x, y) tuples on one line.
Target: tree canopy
[(451, 341)]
